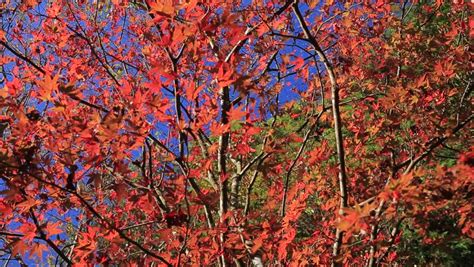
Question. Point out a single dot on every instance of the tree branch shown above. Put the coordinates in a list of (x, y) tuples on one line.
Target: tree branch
[(21, 56), (102, 220), (43, 236), (337, 125)]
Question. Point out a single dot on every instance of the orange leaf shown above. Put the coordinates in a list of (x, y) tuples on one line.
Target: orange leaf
[(53, 229), (236, 114), (20, 247), (38, 249), (26, 205), (163, 7), (192, 92), (218, 129), (47, 86)]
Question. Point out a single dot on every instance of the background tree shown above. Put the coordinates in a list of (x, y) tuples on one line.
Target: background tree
[(236, 133)]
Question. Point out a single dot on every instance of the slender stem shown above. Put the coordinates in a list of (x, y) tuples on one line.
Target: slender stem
[(293, 164), (342, 177)]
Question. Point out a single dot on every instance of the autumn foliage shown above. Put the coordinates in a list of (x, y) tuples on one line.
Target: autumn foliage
[(236, 133)]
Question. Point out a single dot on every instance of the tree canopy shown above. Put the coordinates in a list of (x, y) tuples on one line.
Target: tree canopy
[(236, 133)]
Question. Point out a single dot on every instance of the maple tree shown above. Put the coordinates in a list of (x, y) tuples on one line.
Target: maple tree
[(186, 132)]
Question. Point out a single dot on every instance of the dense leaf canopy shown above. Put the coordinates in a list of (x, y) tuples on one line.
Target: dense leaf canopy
[(222, 133)]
